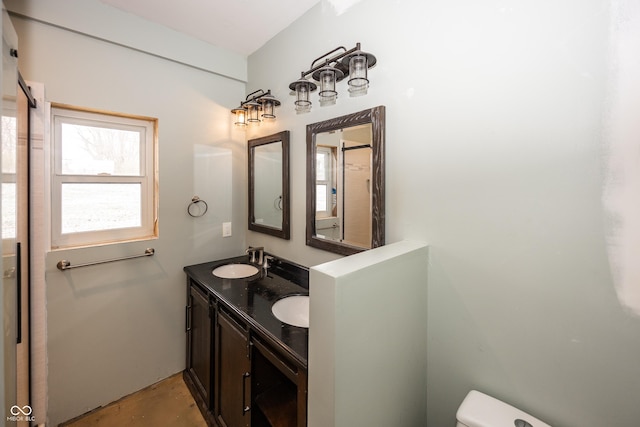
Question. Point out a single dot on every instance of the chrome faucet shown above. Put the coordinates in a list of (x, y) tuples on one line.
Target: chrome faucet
[(268, 259), (260, 250)]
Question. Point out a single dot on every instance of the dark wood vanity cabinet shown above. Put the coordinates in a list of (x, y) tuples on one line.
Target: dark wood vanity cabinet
[(199, 341), (233, 372), (239, 376), (279, 389)]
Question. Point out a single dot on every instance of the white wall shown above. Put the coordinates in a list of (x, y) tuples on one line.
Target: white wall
[(495, 157), (367, 344), (116, 328)]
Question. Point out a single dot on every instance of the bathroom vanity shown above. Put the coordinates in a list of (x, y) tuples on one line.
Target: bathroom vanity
[(244, 366)]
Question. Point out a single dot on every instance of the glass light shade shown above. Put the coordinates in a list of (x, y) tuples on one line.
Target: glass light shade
[(328, 92), (358, 82), (253, 112), (302, 97), (268, 103), (240, 116), (267, 110)]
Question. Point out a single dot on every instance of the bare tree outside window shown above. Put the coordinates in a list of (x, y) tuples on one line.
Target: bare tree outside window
[(89, 150)]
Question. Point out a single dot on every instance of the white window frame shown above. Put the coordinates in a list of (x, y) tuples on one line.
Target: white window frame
[(147, 127), (328, 182)]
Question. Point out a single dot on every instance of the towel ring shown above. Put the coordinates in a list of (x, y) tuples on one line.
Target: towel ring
[(277, 203), (194, 202)]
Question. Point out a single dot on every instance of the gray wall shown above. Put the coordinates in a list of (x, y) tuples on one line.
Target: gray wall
[(116, 328), (498, 128)]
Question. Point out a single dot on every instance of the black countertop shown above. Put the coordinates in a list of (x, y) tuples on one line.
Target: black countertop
[(252, 298)]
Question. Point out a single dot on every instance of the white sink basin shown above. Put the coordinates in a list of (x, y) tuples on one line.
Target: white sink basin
[(293, 310), (235, 271)]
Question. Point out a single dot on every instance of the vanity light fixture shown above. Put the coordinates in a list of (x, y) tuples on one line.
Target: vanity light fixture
[(253, 112), (329, 69), (302, 89), (268, 103), (328, 76), (257, 106)]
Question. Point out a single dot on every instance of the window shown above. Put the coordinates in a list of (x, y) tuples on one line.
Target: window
[(325, 179), (104, 177)]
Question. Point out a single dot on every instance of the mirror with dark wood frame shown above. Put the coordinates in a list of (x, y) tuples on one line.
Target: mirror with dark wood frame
[(269, 185), (346, 182)]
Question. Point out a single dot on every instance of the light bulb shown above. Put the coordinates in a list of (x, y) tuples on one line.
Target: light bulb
[(240, 116)]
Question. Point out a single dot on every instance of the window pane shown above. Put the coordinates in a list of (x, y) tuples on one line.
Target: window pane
[(90, 150), (95, 207), (321, 166), (9, 139), (321, 197), (8, 210)]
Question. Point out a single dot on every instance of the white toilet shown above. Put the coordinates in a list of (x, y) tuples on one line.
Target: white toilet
[(480, 410)]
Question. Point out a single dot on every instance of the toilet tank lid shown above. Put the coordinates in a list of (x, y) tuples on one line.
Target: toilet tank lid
[(481, 410)]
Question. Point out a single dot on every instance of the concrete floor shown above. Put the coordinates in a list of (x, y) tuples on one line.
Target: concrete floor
[(166, 403)]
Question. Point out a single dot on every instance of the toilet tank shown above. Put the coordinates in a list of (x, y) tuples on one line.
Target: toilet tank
[(480, 410)]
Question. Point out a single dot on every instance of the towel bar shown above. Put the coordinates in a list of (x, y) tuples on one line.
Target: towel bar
[(66, 265)]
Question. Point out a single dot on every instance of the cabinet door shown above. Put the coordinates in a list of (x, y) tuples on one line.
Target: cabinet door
[(199, 342), (233, 373)]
